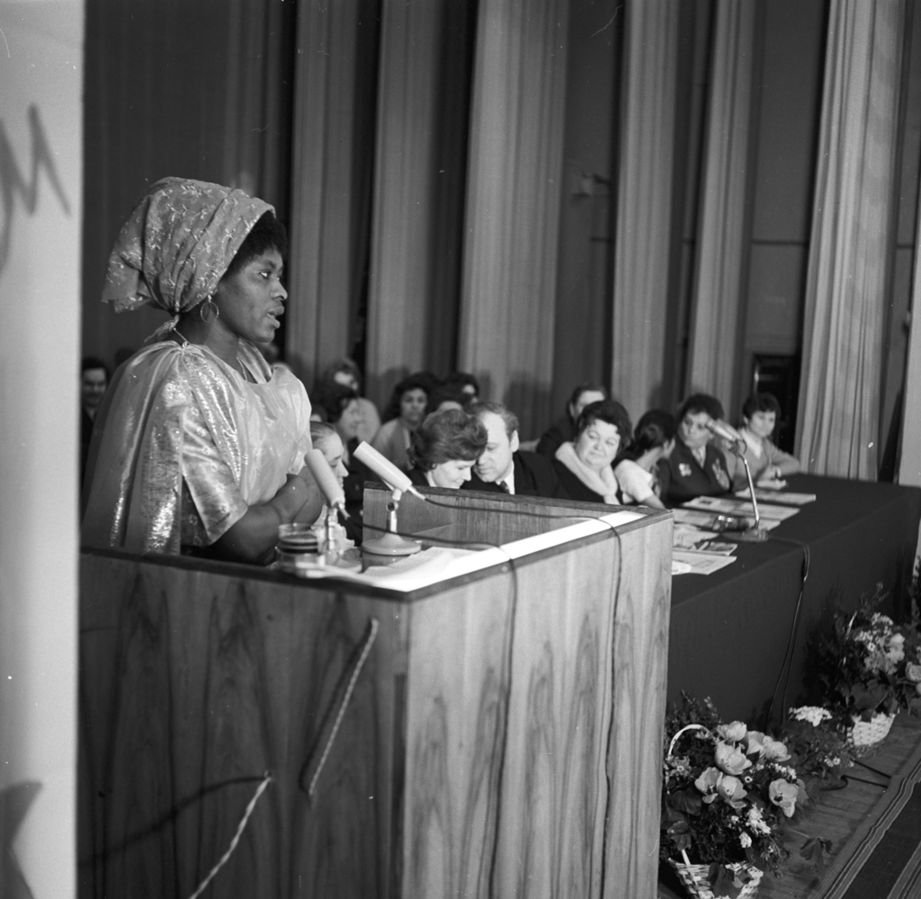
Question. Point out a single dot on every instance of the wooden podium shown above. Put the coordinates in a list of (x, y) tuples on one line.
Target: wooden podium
[(465, 723)]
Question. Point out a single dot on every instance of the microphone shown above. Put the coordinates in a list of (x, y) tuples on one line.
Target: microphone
[(755, 533), (719, 428), (326, 480), (395, 479)]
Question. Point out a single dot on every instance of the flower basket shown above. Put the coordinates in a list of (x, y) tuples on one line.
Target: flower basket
[(695, 879), (864, 734)]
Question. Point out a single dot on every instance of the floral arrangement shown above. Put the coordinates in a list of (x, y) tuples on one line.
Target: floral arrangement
[(818, 745), (867, 664), (729, 795)]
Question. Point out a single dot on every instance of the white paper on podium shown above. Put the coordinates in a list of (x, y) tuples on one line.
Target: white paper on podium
[(440, 563)]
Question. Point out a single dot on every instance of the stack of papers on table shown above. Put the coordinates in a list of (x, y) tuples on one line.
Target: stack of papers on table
[(696, 551), (699, 518), (725, 505), (693, 562), (779, 496)]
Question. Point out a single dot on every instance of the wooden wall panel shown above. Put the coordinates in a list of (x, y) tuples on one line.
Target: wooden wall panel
[(490, 746)]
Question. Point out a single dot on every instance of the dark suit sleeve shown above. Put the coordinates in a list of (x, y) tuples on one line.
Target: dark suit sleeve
[(535, 475)]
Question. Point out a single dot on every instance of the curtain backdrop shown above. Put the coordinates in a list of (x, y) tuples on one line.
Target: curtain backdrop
[(513, 201), (850, 248), (645, 202), (194, 90), (715, 333), (422, 111), (910, 458), (331, 164)]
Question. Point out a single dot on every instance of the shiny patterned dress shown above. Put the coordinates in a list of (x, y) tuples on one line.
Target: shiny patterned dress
[(185, 443)]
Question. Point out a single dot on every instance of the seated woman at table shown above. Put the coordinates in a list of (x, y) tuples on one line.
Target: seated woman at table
[(405, 411), (636, 468), (564, 428), (445, 448), (768, 464), (327, 439), (583, 464), (696, 466), (200, 445), (339, 406)]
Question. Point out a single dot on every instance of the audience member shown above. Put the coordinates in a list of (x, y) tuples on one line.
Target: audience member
[(202, 446), (564, 429), (695, 466), (402, 416), (504, 467), (339, 407), (447, 396), (768, 464), (636, 467), (94, 379), (583, 464), (326, 439), (466, 384), (346, 372), (445, 447)]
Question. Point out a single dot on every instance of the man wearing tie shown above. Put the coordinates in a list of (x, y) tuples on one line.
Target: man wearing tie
[(503, 467)]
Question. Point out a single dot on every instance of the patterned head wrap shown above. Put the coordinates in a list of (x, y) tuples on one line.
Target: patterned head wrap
[(177, 244)]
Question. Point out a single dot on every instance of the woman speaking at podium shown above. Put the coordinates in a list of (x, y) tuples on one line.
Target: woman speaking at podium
[(199, 446)]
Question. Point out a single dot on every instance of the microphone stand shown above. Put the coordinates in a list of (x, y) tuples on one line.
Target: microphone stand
[(330, 550), (391, 545), (755, 533)]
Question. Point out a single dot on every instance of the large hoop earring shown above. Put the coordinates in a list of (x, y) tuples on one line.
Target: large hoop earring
[(208, 311)]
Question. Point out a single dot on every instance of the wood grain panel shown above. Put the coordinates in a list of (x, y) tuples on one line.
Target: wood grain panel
[(640, 682), (455, 733), (554, 786), (502, 738), (197, 684)]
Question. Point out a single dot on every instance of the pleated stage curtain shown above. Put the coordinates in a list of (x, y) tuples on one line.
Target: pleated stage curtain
[(331, 168), (513, 200), (715, 332), (849, 263), (645, 202)]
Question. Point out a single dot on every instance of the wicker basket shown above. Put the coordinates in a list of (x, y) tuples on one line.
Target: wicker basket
[(695, 879), (863, 734)]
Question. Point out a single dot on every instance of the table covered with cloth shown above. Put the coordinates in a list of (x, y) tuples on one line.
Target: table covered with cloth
[(740, 635)]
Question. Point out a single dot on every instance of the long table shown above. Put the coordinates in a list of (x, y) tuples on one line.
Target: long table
[(740, 635)]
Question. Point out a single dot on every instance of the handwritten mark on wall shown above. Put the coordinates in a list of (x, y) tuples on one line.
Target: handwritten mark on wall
[(14, 188)]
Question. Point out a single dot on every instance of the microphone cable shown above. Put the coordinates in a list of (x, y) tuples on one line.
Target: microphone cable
[(617, 587), (783, 676)]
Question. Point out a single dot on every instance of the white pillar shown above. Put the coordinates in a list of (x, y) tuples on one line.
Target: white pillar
[(41, 160)]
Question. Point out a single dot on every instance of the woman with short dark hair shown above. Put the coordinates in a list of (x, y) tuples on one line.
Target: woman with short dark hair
[(769, 465), (636, 468), (564, 428), (404, 413), (583, 464), (445, 447), (696, 466)]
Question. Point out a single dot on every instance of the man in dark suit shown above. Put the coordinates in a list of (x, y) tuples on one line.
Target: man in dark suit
[(502, 467)]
